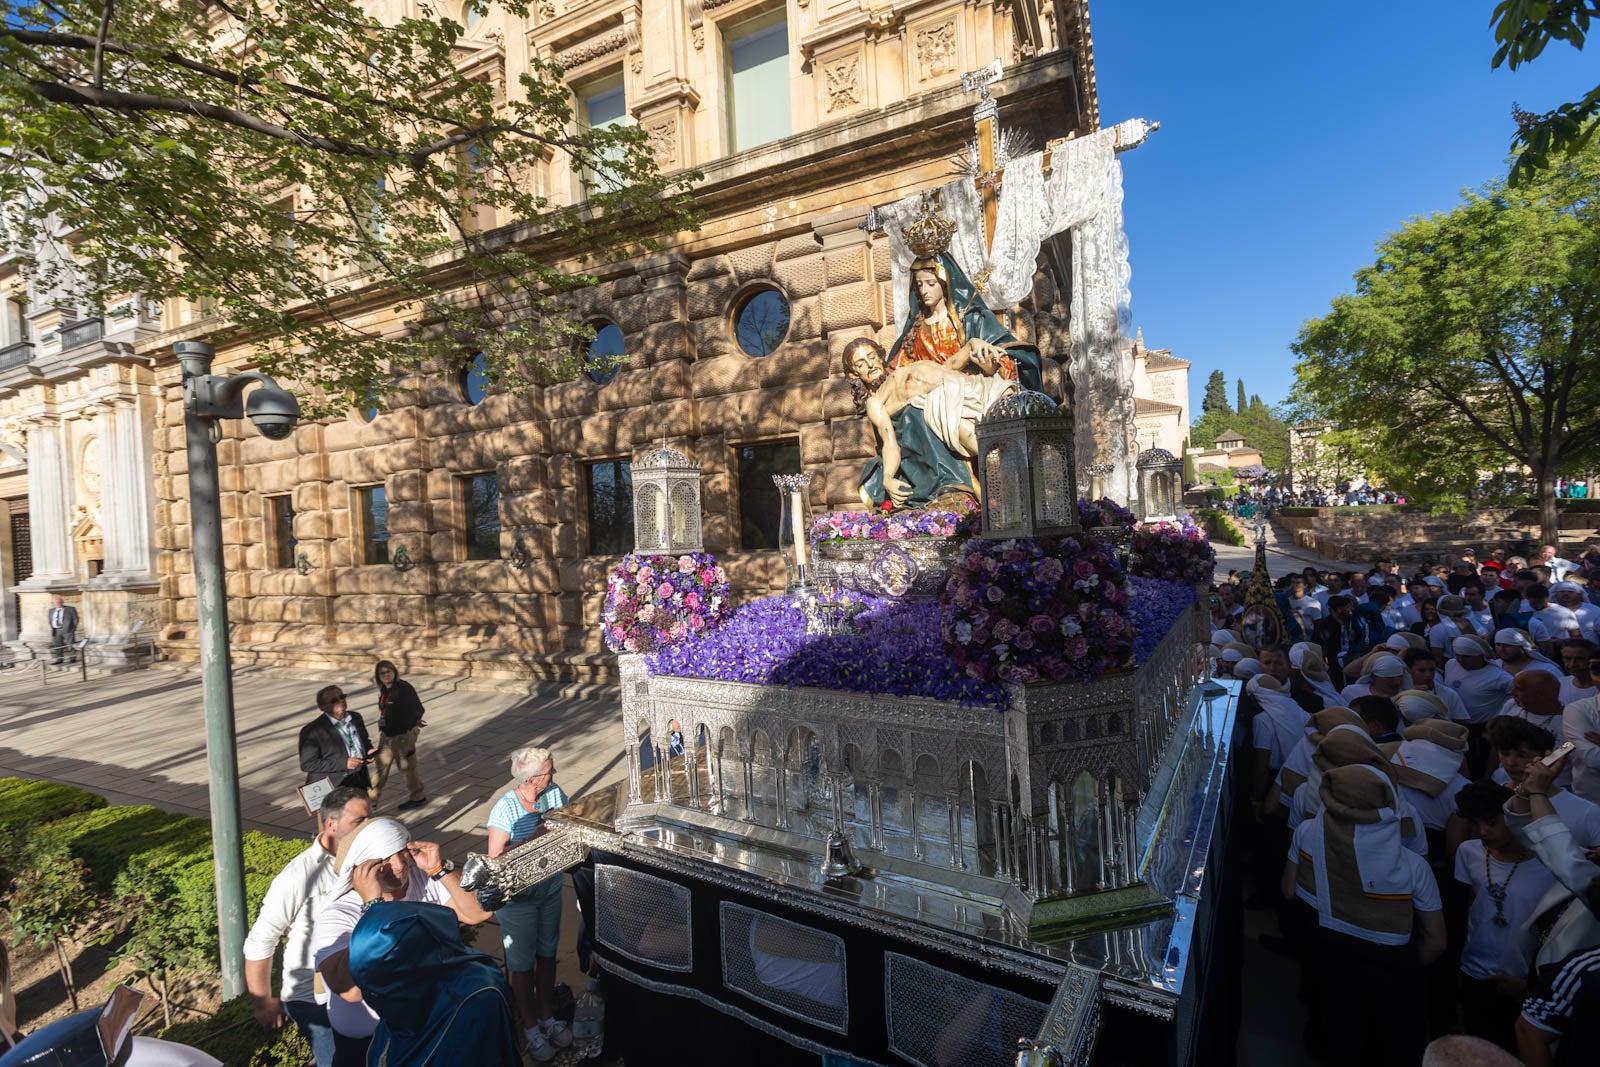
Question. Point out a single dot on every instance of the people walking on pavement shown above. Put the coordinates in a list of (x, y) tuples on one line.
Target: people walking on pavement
[(63, 619), (399, 721), (335, 744)]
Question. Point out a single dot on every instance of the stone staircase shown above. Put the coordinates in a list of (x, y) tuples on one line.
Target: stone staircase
[(1416, 537)]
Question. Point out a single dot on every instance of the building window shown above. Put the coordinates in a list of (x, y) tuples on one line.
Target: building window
[(480, 507), (16, 321), (603, 103), (610, 489), (758, 497), (603, 355), (367, 405), (761, 322), (758, 80), (283, 227), (472, 14), (280, 531), (475, 379), (372, 524)]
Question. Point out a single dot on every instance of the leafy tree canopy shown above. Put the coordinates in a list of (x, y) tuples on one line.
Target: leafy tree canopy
[(1263, 430), (1469, 346), (286, 164), (1522, 29)]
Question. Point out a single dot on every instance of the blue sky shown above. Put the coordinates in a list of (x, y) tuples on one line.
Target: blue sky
[(1293, 138)]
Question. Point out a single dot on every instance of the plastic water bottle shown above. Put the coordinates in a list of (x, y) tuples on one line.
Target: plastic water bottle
[(589, 1022)]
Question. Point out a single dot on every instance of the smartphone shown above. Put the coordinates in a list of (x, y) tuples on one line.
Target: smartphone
[(1557, 755)]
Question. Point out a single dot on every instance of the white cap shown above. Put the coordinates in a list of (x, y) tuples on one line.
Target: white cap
[(1223, 637), (1387, 667), (1232, 655), (1435, 581), (1466, 646), (1396, 643), (1297, 655), (1513, 638), (1247, 669), (1566, 587)]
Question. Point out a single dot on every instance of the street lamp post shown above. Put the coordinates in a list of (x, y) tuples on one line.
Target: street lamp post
[(207, 399)]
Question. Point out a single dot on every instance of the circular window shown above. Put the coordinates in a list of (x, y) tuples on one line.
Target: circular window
[(761, 321), (475, 379), (366, 405), (472, 14), (602, 355)]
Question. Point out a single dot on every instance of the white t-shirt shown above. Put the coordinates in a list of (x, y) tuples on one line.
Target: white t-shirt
[(1483, 691), (1579, 719), (332, 935), (1455, 710), (1571, 692), (292, 902), (1435, 811), (1424, 890), (1489, 948), (1440, 636)]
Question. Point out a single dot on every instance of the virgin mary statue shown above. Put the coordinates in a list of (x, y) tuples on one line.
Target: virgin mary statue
[(949, 324)]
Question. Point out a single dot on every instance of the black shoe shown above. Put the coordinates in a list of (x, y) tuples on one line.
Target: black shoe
[(411, 805)]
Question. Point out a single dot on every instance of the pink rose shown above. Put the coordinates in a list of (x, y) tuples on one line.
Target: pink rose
[(1041, 624), (665, 590), (995, 595), (1082, 568), (692, 600), (1014, 556), (1023, 673), (696, 623), (646, 573), (685, 564), (1005, 630), (1024, 640), (1112, 622), (1048, 572)]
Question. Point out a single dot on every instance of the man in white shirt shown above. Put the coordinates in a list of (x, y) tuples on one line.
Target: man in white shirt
[(381, 863), (1386, 678), (1519, 744), (1580, 724), (1570, 595), (292, 902), (1559, 567), (1423, 671), (1516, 654), (1478, 611), (1579, 683)]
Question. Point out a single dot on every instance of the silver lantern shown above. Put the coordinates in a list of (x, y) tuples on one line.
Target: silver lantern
[(1026, 468), (666, 503), (1160, 478)]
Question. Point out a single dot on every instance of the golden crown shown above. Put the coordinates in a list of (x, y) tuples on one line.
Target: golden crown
[(929, 233)]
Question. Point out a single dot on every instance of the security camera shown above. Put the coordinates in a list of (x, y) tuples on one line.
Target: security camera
[(273, 409)]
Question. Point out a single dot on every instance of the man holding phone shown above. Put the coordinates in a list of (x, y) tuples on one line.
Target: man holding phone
[(335, 744)]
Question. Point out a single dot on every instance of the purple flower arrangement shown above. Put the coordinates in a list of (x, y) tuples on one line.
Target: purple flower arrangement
[(898, 653), (895, 525), (1155, 605), (1045, 609), (655, 601), (1174, 551)]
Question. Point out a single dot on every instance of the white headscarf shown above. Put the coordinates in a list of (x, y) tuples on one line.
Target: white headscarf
[(377, 839)]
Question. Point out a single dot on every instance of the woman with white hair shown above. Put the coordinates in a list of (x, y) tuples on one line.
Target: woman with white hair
[(530, 923)]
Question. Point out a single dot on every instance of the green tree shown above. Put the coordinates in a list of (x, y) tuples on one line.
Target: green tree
[(1522, 29), (1470, 344), (1240, 405), (286, 164), (1216, 398)]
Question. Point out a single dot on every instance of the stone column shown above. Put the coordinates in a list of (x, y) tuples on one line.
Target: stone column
[(47, 504), (125, 494)]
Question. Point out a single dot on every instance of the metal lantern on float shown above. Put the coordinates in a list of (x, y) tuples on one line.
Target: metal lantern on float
[(1160, 474), (1026, 468), (666, 502)]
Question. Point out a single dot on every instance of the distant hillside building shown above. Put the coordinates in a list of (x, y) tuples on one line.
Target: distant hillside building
[(1160, 398), (1230, 452)]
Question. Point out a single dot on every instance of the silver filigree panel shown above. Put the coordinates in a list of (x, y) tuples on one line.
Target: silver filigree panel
[(937, 1017)]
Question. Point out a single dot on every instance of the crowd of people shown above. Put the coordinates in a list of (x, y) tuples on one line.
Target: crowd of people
[(1424, 776), (374, 966), (1246, 502)]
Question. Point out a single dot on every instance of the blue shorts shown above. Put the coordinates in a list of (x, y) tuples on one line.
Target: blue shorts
[(530, 924)]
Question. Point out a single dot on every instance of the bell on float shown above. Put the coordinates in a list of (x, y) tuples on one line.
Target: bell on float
[(1034, 1053), (841, 859)]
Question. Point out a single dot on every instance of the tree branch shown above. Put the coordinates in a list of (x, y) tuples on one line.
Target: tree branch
[(100, 43), (90, 97)]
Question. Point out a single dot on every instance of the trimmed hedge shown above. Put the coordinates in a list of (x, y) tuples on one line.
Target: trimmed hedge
[(1298, 512), (1220, 527), (151, 872)]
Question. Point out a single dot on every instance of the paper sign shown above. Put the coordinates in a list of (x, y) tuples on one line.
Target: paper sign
[(313, 794)]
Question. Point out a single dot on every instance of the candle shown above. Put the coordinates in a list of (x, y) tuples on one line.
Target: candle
[(663, 534), (797, 526)]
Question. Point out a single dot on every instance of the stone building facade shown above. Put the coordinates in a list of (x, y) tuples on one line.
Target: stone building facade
[(468, 531), (1160, 397)]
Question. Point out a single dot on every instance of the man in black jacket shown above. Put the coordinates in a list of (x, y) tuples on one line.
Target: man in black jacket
[(335, 744), (1347, 633), (63, 619), (399, 720)]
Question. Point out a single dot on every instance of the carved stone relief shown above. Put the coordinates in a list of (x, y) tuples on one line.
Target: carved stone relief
[(663, 135), (936, 49), (843, 83)]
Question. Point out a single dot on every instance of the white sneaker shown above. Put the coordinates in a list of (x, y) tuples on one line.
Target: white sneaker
[(539, 1046), (559, 1033)]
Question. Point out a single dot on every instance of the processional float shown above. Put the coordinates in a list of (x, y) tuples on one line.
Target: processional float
[(971, 852)]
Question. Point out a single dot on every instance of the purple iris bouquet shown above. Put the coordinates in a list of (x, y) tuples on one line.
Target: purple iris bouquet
[(654, 601), (897, 653), (1045, 609), (1155, 607), (895, 525), (1174, 551)]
